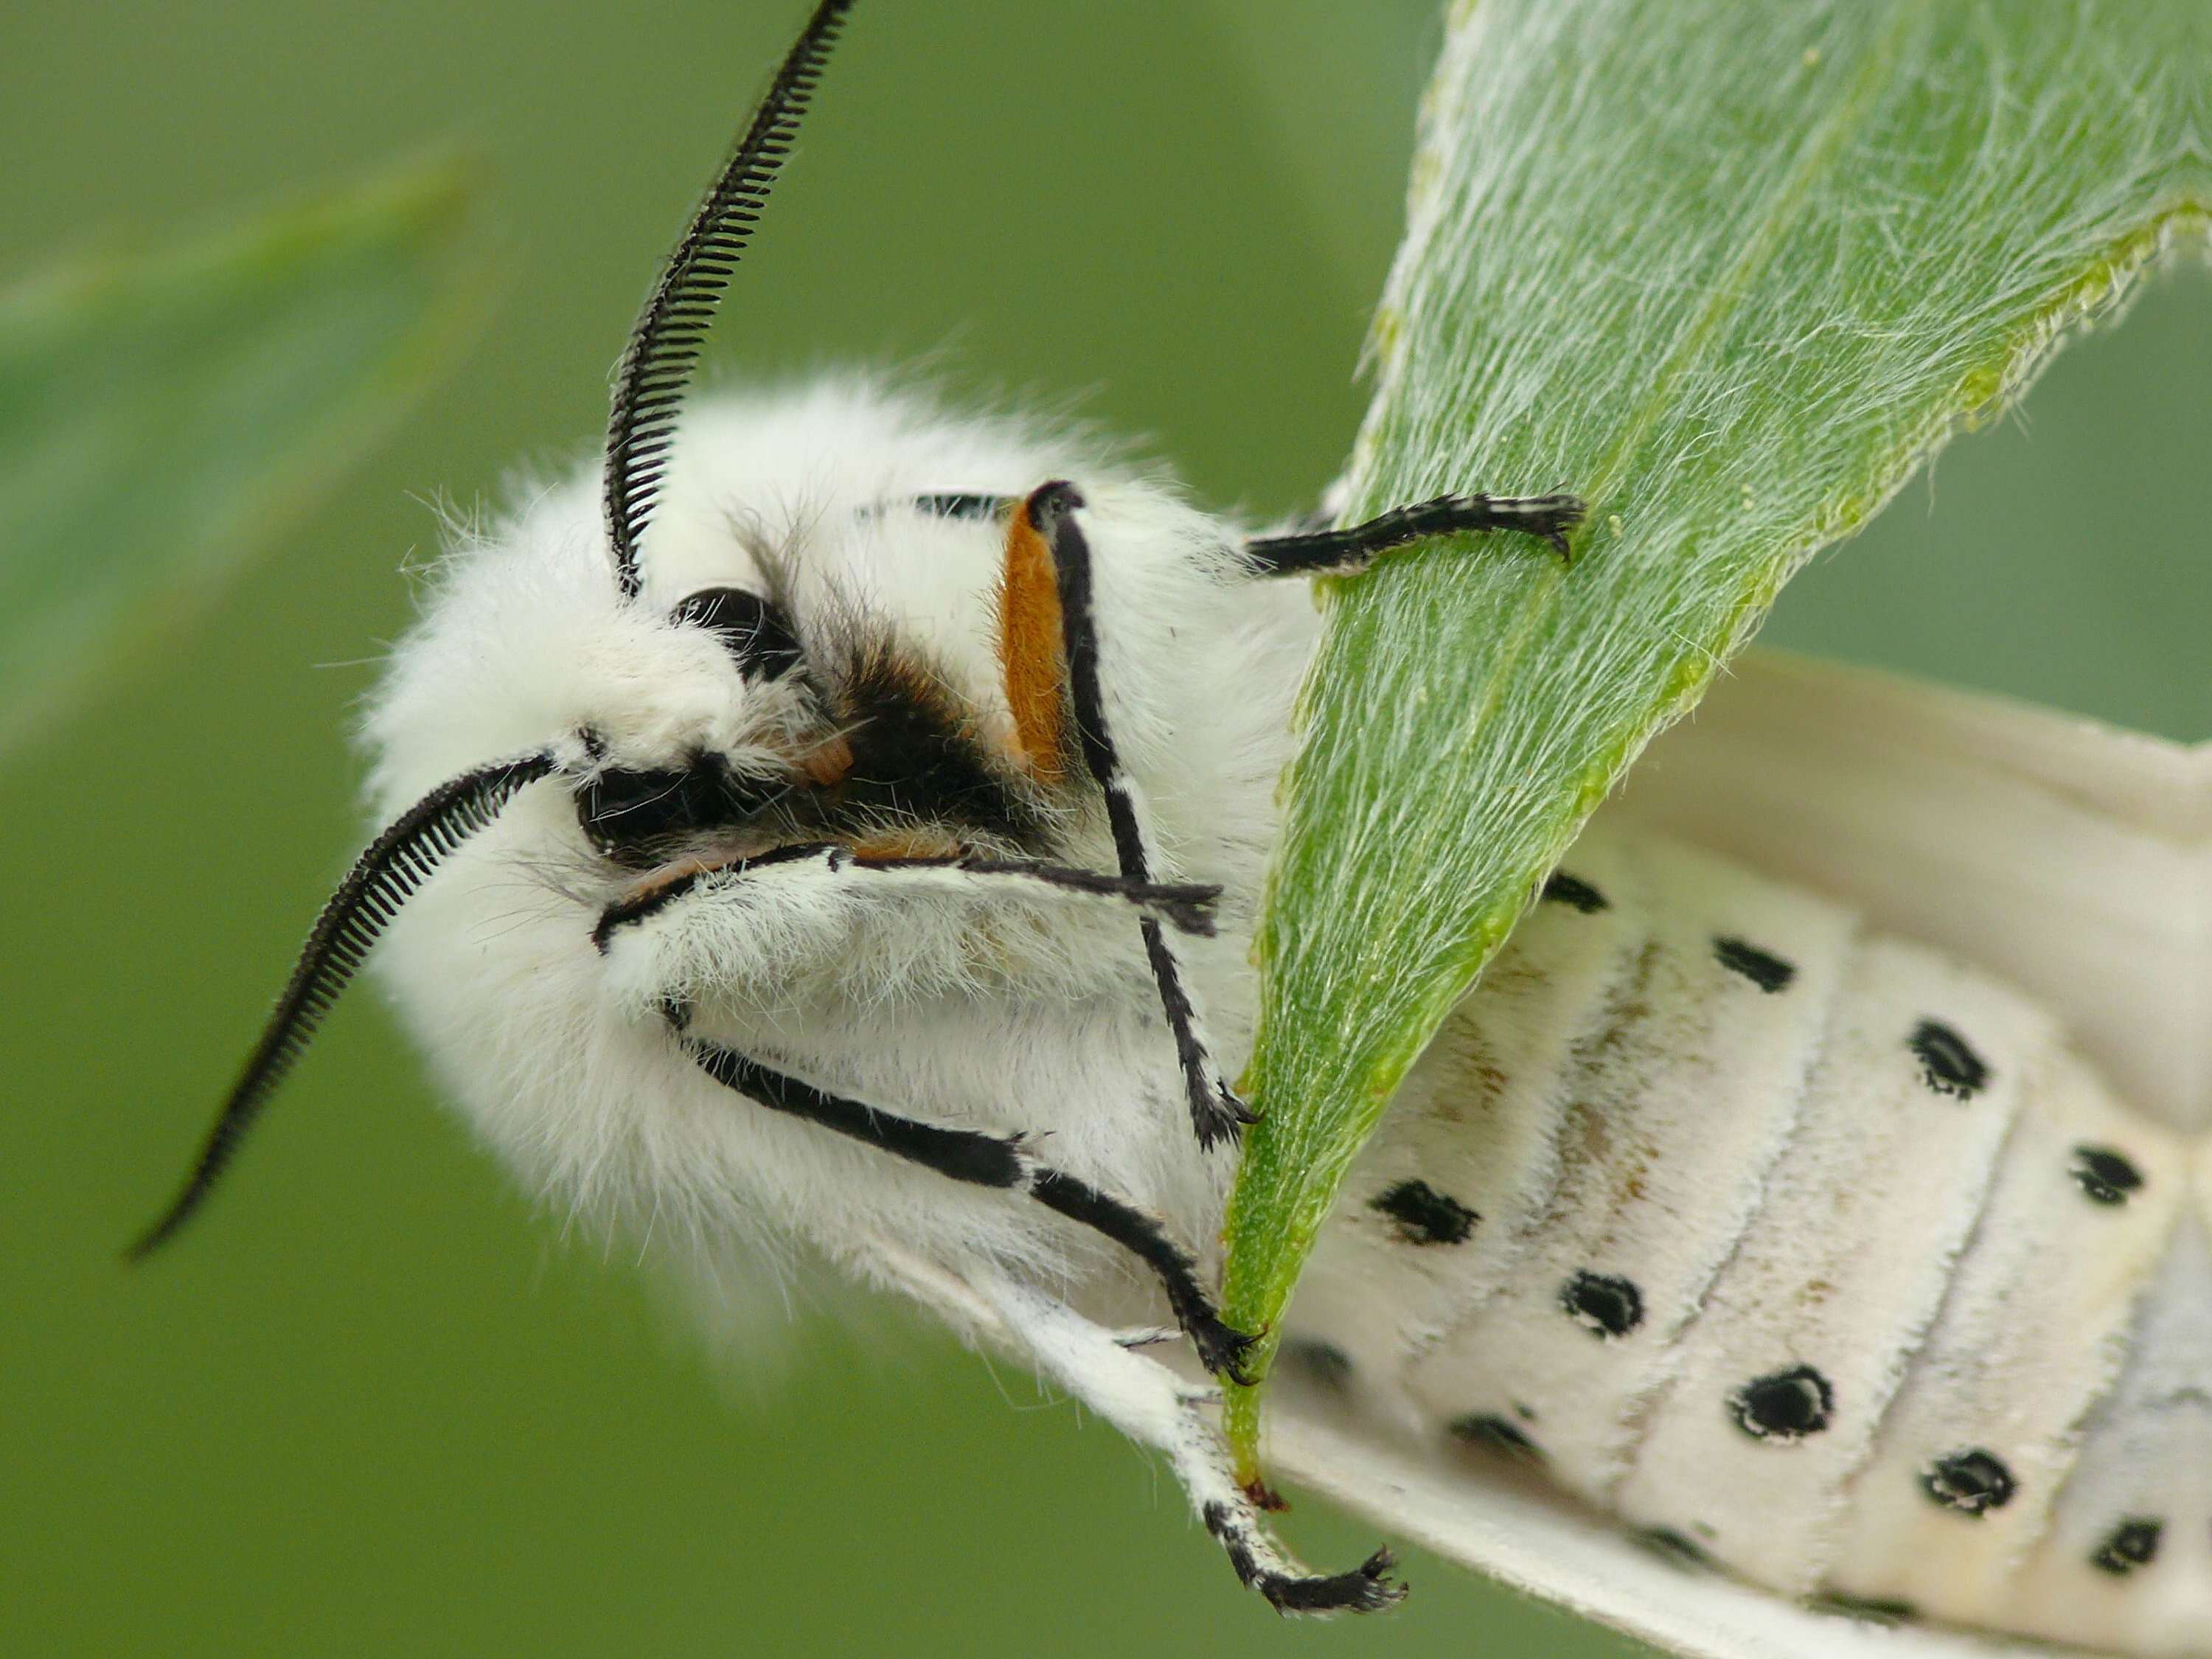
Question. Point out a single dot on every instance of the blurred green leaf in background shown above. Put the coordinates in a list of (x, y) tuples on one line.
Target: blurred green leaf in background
[(1735, 310), (165, 412), (375, 1404)]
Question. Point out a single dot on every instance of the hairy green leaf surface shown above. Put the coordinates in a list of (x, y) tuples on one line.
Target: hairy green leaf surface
[(162, 414), (1731, 273)]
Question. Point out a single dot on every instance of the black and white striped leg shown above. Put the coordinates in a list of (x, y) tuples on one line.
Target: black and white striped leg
[(1346, 552), (1151, 1406), (990, 1160), (1217, 1115), (1188, 907)]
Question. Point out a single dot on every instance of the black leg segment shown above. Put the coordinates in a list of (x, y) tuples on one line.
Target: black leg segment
[(1345, 552), (1366, 1589), (1216, 1113), (1221, 1349)]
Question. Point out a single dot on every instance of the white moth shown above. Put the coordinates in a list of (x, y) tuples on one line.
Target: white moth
[(864, 860)]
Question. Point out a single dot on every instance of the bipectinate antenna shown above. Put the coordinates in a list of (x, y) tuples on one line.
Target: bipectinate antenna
[(657, 363), (382, 879)]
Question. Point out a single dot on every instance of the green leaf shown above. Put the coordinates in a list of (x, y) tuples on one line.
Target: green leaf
[(1731, 273), (163, 414)]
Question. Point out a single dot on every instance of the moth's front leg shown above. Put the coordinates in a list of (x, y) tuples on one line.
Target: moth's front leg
[(1067, 699), (863, 874)]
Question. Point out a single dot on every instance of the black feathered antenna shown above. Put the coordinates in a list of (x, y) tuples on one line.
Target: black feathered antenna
[(383, 878), (656, 364)]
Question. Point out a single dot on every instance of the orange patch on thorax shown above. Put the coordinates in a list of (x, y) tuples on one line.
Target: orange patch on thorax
[(890, 846), (1031, 651), (667, 875)]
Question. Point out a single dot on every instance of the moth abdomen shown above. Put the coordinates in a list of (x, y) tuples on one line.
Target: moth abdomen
[(1813, 1246)]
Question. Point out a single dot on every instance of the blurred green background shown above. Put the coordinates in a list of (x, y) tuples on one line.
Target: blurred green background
[(373, 1405)]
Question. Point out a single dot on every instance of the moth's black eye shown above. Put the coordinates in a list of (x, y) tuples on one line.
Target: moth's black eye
[(630, 816), (752, 628)]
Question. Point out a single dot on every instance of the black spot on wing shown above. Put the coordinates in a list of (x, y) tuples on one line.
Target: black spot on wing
[(1948, 1064), (1784, 1406), (1762, 968), (2104, 1175), (1561, 888), (1493, 1433), (2133, 1544), (1323, 1363), (1425, 1216), (1675, 1548), (1605, 1304), (1876, 1609), (1972, 1482)]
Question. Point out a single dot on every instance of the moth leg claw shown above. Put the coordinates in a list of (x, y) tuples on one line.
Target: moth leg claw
[(1221, 1346), (1152, 1406), (1365, 1589)]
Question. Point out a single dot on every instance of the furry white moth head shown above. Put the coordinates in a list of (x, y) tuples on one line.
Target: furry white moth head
[(526, 644)]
